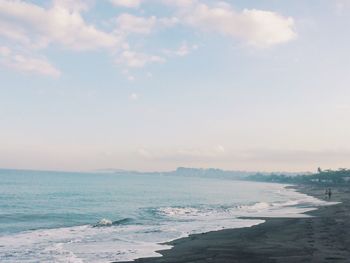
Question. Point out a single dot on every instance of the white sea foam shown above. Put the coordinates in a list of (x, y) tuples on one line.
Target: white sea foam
[(78, 244), (122, 242), (104, 222)]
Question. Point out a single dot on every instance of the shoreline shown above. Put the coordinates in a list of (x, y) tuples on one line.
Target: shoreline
[(323, 237)]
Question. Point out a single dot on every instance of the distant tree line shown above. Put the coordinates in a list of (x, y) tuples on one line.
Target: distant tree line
[(329, 177)]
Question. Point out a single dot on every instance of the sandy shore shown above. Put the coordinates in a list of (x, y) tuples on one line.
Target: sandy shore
[(322, 238)]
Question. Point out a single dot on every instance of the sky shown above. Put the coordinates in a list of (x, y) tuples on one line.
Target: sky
[(151, 85)]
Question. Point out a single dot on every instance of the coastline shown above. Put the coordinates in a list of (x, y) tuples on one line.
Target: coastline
[(324, 237)]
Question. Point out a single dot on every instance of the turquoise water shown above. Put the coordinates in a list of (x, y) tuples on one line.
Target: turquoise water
[(86, 217)]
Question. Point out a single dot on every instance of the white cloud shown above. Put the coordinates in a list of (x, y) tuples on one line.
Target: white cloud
[(27, 63), (342, 6), (74, 5), (182, 51), (343, 107), (61, 24), (131, 78), (220, 149), (128, 23), (256, 27), (128, 75), (201, 152), (144, 153), (31, 28), (13, 32), (126, 3), (168, 21), (134, 96), (5, 51), (138, 60), (193, 153), (35, 65), (180, 3)]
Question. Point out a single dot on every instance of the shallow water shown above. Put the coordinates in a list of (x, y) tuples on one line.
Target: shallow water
[(86, 217)]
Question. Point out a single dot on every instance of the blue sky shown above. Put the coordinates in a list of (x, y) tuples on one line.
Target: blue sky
[(156, 84)]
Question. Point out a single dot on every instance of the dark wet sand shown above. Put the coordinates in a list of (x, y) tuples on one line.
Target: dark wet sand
[(322, 238)]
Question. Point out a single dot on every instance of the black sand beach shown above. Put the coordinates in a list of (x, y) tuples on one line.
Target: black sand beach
[(325, 237)]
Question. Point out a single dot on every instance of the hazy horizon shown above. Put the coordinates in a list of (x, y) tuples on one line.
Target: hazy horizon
[(117, 170), (154, 85)]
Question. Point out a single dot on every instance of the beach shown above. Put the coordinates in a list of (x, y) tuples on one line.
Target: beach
[(323, 237)]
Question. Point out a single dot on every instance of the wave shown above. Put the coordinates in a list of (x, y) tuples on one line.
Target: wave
[(131, 238), (103, 222), (123, 221), (178, 211), (107, 222), (296, 207), (259, 206), (78, 244)]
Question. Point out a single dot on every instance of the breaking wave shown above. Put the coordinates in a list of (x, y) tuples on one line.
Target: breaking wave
[(107, 222)]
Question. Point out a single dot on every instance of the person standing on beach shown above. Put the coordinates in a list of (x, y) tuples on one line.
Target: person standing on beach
[(329, 193)]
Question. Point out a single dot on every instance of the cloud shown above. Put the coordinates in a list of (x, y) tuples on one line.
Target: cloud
[(186, 154), (168, 21), (180, 3), (31, 28), (75, 5), (128, 23), (126, 3), (26, 63), (5, 51), (22, 23), (341, 6), (128, 75), (182, 51), (211, 152), (61, 24), (134, 96), (13, 32), (256, 27), (138, 60), (300, 156), (220, 149), (144, 153), (343, 107)]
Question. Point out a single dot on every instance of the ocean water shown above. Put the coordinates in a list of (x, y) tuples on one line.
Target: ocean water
[(86, 217)]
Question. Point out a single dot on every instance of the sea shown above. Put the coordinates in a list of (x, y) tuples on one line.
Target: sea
[(111, 217)]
